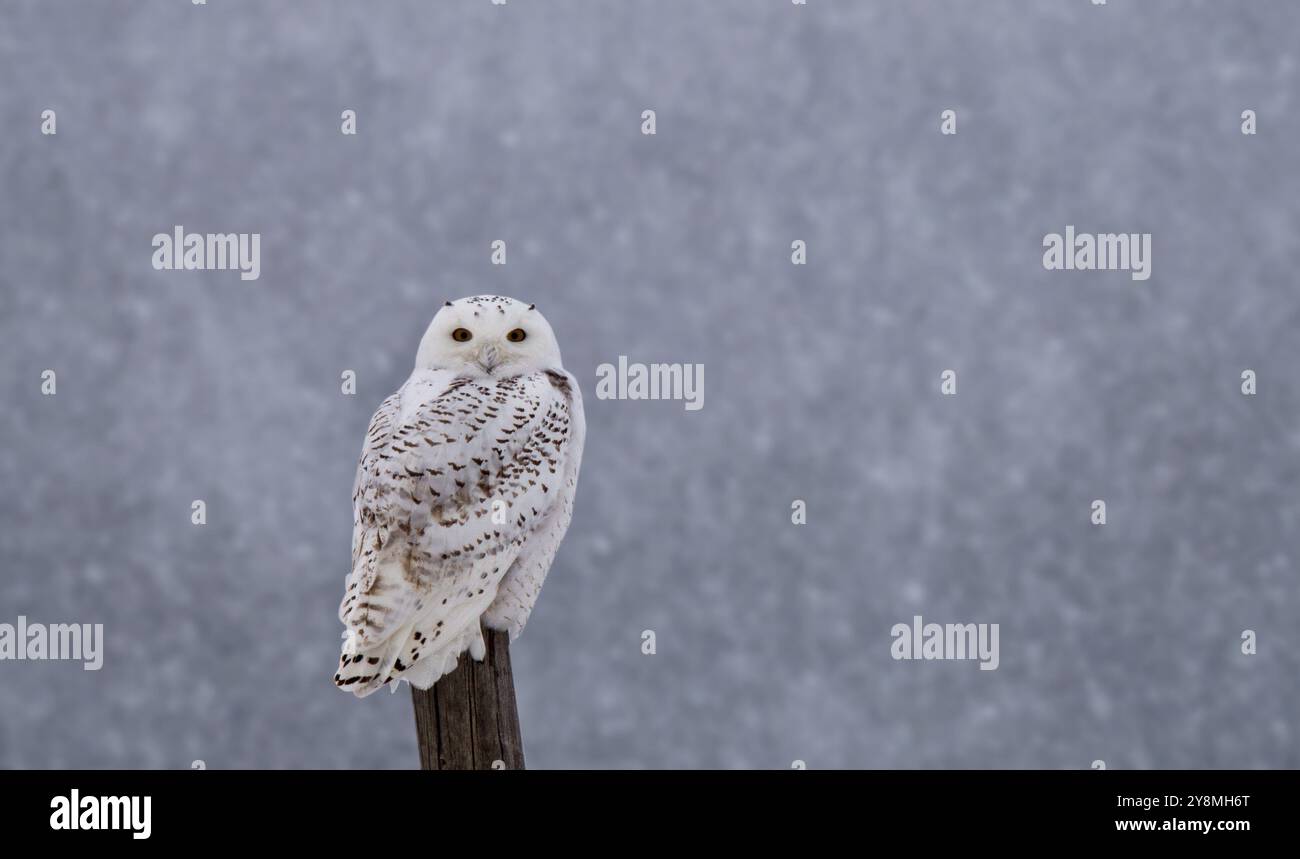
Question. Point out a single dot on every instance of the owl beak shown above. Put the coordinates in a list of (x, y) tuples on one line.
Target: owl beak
[(488, 358)]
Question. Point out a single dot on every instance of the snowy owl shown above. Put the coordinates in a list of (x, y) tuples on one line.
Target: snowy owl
[(463, 493)]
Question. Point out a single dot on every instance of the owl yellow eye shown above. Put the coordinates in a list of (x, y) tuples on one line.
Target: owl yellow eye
[(516, 336), (460, 335)]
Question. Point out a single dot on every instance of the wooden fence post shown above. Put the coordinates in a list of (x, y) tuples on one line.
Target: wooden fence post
[(469, 720)]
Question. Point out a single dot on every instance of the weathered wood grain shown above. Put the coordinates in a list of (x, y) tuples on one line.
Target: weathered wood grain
[(469, 720)]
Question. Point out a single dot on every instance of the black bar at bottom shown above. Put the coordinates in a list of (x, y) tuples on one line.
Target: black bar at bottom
[(351, 809)]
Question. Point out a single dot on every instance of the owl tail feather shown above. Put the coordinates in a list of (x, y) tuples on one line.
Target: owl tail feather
[(430, 668), (365, 670), (362, 670)]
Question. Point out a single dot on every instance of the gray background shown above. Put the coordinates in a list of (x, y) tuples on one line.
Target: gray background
[(775, 122)]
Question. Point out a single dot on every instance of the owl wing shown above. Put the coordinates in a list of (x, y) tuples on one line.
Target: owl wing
[(454, 476), (518, 591)]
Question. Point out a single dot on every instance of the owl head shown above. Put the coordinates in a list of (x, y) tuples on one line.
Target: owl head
[(489, 337)]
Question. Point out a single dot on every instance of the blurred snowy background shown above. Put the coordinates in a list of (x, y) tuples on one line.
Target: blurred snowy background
[(775, 122)]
